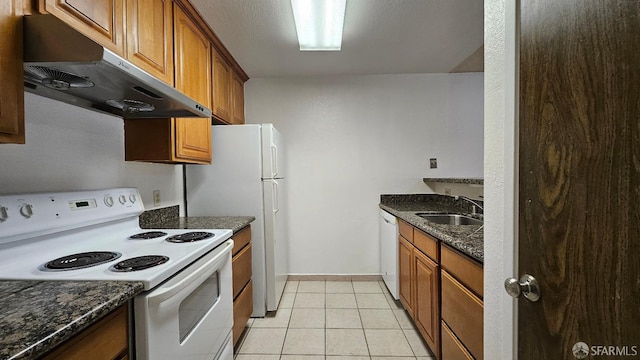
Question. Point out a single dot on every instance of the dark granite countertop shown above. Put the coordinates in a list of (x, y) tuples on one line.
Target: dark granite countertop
[(470, 181), (169, 218), (234, 223), (468, 239), (37, 316)]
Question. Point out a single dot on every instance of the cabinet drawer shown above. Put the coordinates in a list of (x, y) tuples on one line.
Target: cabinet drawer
[(405, 230), (241, 239), (241, 269), (426, 244), (242, 309), (107, 339), (464, 269), (452, 348), (463, 313)]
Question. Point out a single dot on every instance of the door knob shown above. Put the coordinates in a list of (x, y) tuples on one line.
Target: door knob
[(528, 286)]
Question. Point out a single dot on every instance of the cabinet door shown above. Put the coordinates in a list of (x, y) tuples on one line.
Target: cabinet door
[(221, 87), (100, 20), (237, 99), (192, 77), (405, 260), (150, 37), (12, 89), (106, 339), (426, 311)]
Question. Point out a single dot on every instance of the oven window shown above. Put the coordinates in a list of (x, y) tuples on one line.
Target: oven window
[(195, 306)]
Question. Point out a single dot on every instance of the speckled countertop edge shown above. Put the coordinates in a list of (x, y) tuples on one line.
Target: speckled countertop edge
[(471, 181), (235, 223), (37, 316), (468, 239), (169, 218)]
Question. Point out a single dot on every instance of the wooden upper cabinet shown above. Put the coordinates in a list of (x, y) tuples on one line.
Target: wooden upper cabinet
[(12, 89), (193, 78), (192, 59), (193, 140), (237, 99), (150, 37), (100, 20), (221, 88)]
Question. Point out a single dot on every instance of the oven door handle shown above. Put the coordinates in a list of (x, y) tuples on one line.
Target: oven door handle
[(204, 271)]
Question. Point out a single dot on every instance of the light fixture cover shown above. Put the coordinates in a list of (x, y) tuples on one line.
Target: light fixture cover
[(319, 24)]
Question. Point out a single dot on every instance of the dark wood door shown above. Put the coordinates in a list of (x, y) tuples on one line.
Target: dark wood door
[(579, 170)]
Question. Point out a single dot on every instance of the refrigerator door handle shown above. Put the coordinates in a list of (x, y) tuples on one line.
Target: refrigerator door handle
[(274, 160), (274, 195)]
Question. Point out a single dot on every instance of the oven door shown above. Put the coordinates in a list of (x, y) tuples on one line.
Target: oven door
[(191, 315)]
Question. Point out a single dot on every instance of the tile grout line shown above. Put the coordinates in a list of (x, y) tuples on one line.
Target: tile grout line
[(286, 332)]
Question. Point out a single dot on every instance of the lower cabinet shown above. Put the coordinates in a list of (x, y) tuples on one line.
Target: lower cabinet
[(442, 290), (405, 259), (426, 310), (419, 283), (242, 285), (462, 305), (107, 339)]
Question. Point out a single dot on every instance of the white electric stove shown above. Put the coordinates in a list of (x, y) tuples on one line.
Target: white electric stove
[(94, 235)]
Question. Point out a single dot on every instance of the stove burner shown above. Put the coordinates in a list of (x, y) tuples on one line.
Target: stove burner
[(139, 263), (190, 237), (148, 235), (80, 261)]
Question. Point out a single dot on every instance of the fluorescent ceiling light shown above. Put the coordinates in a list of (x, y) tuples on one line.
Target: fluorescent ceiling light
[(319, 24)]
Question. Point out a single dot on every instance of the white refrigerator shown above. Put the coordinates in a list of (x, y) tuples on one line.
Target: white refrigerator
[(247, 178)]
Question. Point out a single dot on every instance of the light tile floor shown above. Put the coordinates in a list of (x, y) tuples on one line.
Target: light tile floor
[(334, 320)]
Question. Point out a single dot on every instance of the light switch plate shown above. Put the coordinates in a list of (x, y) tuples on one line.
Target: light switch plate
[(433, 163)]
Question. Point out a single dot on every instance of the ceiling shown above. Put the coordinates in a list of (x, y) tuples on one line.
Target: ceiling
[(380, 36)]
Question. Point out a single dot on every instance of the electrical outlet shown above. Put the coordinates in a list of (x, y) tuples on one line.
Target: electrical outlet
[(433, 163), (156, 197)]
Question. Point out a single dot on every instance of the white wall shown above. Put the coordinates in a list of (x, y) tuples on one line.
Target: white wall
[(352, 138), (69, 148), (500, 166)]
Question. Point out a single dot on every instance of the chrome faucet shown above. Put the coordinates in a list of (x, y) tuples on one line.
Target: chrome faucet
[(473, 202)]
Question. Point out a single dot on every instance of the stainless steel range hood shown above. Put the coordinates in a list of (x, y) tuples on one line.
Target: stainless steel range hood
[(63, 64)]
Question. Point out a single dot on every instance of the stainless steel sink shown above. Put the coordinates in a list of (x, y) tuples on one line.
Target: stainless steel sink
[(450, 219)]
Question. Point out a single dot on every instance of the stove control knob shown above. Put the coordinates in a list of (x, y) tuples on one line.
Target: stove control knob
[(122, 199), (108, 200), (3, 214), (132, 198), (26, 210)]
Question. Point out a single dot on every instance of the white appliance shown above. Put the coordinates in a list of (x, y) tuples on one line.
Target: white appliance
[(186, 309), (247, 177), (389, 252)]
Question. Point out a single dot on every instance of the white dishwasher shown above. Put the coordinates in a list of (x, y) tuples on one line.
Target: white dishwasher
[(389, 251)]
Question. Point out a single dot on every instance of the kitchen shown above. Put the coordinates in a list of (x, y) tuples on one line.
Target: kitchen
[(68, 148)]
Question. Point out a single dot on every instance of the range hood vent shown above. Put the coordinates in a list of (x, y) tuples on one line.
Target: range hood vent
[(63, 64)]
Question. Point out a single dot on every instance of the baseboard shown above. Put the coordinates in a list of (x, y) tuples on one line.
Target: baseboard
[(333, 277)]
